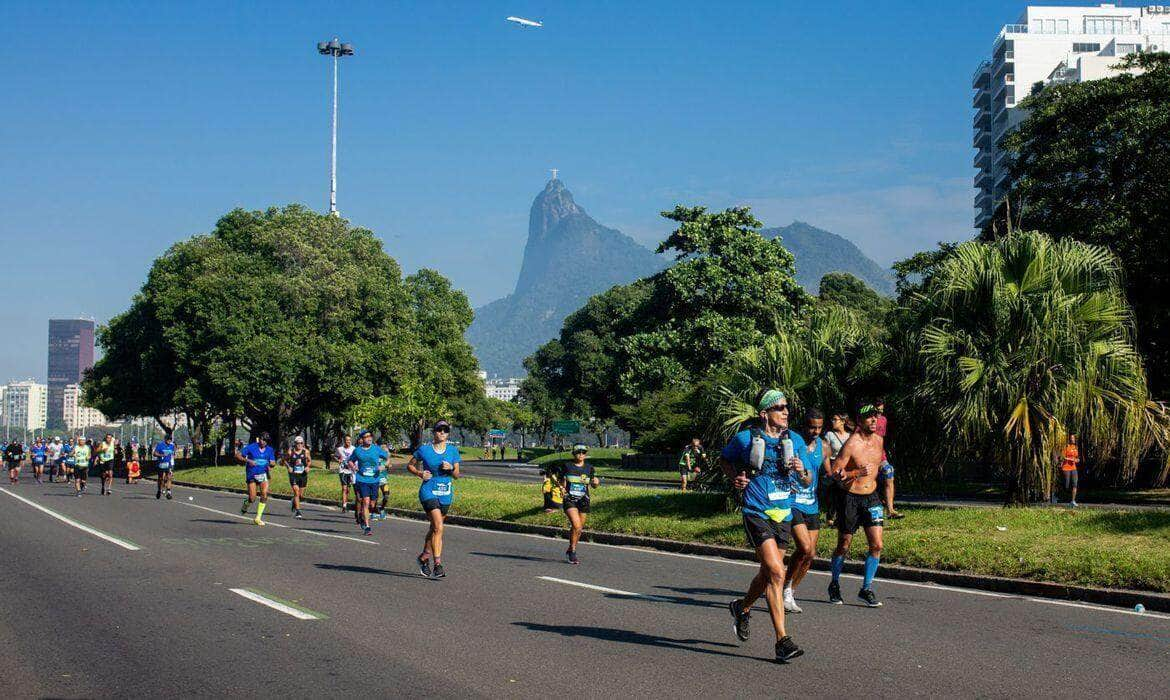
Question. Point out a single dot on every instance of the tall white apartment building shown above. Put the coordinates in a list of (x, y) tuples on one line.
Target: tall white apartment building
[(1049, 45), (77, 416), (26, 405)]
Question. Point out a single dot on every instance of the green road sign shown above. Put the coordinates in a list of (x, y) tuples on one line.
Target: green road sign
[(496, 432), (566, 427)]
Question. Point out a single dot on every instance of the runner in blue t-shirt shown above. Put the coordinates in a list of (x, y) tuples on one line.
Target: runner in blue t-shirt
[(754, 460), (40, 455), (437, 464), (258, 457), (368, 461), (806, 515), (164, 455), (69, 461)]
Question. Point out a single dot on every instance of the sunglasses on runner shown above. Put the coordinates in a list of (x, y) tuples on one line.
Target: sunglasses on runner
[(442, 429), (779, 407)]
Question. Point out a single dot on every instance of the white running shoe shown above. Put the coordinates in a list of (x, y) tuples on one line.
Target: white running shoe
[(790, 602)]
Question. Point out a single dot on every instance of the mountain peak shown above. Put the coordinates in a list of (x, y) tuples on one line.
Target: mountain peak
[(551, 206)]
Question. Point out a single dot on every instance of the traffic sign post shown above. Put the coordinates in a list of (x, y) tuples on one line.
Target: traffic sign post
[(566, 427)]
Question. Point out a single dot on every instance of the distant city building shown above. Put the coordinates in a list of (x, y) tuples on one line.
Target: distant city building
[(78, 416), (1049, 45), (70, 354), (503, 389), (25, 405)]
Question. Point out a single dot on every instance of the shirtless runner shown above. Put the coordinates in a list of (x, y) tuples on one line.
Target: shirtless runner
[(856, 467)]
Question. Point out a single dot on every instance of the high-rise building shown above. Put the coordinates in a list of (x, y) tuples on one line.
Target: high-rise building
[(78, 416), (1049, 45), (24, 405), (70, 354)]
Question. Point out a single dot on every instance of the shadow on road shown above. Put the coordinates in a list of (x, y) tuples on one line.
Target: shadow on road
[(521, 557), (610, 634), (367, 570), (722, 593)]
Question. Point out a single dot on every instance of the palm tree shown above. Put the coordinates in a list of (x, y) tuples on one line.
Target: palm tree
[(815, 367), (1024, 340)]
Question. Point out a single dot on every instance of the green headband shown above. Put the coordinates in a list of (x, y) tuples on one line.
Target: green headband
[(771, 398), (867, 409)]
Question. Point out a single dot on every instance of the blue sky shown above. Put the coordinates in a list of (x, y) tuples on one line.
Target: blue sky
[(133, 125)]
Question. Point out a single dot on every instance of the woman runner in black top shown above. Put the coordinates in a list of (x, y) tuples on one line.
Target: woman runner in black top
[(576, 479)]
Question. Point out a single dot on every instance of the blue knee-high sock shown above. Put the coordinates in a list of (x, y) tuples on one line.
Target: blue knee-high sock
[(838, 564), (871, 567)]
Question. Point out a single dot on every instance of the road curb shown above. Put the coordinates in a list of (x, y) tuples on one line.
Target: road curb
[(1011, 586)]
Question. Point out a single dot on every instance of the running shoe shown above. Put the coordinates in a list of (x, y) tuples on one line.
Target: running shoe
[(367, 531), (259, 522), (572, 554), (169, 496), (786, 650), (157, 495), (297, 514), (740, 621), (897, 515), (835, 593), (79, 494), (439, 571), (790, 602), (424, 567), (1073, 504), (866, 595)]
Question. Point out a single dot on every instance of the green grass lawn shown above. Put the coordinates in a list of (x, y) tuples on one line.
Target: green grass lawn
[(608, 457), (1123, 549)]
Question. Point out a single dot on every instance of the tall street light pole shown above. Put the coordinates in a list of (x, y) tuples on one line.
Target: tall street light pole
[(336, 49)]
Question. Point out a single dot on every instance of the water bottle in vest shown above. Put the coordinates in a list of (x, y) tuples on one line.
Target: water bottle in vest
[(789, 452), (756, 458)]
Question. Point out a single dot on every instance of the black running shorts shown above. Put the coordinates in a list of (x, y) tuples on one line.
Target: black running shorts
[(581, 504), (301, 480), (760, 529), (860, 511), (812, 522)]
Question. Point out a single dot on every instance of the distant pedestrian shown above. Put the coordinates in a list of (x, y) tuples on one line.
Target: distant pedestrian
[(1069, 465), (886, 470), (691, 461)]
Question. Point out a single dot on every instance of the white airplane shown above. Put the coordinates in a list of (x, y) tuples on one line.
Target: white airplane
[(525, 22)]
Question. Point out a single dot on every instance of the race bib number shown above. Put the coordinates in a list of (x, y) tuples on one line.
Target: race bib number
[(299, 469), (876, 514), (577, 489), (443, 488), (369, 471), (260, 478)]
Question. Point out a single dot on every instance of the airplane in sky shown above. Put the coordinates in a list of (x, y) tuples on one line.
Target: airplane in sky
[(525, 22)]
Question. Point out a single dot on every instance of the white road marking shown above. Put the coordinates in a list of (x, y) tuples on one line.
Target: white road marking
[(276, 604), (124, 544), (272, 524), (603, 589), (1089, 606)]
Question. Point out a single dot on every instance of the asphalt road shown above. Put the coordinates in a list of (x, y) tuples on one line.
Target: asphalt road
[(144, 602)]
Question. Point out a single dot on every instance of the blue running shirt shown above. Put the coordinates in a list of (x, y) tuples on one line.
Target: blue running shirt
[(262, 457), (366, 461), (769, 493), (438, 487)]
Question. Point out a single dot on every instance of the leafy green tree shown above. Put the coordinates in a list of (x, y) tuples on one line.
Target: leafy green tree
[(1025, 340), (1090, 162), (413, 402), (277, 316), (728, 289), (847, 290)]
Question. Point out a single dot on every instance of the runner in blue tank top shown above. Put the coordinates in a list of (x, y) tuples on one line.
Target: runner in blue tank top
[(754, 461), (806, 517), (437, 464)]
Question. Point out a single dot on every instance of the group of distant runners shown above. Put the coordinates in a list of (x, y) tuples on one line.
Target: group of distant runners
[(67, 461)]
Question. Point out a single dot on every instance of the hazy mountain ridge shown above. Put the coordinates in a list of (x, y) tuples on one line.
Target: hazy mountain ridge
[(819, 252), (569, 257)]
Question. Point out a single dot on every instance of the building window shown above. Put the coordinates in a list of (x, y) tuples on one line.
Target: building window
[(1063, 26), (1086, 48), (1107, 25), (1127, 49)]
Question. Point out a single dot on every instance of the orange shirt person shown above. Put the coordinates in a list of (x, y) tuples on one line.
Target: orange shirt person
[(1068, 469)]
